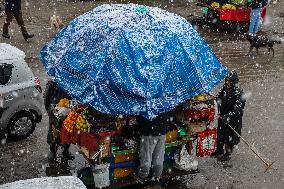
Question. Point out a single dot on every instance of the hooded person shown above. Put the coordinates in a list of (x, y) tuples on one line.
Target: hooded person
[(231, 103), (52, 95)]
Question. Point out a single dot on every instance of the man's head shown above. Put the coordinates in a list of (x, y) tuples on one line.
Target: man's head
[(232, 79)]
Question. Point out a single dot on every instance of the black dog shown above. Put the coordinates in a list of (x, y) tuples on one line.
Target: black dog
[(261, 41)]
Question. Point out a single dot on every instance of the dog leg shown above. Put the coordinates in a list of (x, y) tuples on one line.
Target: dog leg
[(257, 51), (272, 51)]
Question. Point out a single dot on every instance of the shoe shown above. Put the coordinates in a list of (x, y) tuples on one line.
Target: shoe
[(225, 157), (140, 180), (26, 35), (6, 35), (216, 154)]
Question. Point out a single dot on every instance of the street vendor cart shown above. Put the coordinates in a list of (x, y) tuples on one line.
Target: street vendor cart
[(234, 15), (110, 144), (125, 60)]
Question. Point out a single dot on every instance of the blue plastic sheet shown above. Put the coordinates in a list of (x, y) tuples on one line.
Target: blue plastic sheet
[(131, 59)]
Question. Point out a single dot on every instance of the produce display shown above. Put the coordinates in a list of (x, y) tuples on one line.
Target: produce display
[(229, 7), (201, 116), (70, 121), (215, 5), (108, 140), (232, 4), (64, 103), (81, 122)]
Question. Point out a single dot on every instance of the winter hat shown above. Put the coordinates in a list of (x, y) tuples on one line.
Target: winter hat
[(233, 77)]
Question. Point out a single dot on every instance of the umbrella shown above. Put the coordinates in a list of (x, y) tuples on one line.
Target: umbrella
[(128, 59)]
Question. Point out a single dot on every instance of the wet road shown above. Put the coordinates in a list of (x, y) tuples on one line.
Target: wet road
[(262, 78)]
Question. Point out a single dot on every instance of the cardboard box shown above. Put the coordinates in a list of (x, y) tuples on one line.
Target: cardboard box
[(88, 153), (197, 127)]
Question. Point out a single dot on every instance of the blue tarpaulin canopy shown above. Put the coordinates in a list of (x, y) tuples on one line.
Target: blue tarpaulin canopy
[(131, 59)]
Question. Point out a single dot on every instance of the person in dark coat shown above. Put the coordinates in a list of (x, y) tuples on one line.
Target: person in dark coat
[(13, 9), (231, 103), (52, 95), (152, 145)]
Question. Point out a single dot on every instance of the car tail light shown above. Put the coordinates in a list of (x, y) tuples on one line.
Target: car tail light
[(37, 84)]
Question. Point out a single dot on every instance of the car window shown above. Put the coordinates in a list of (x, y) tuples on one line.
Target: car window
[(5, 73)]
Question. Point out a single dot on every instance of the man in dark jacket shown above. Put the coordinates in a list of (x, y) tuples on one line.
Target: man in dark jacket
[(152, 145), (52, 96), (231, 104), (13, 9)]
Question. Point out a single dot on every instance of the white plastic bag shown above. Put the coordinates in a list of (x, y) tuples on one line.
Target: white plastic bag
[(183, 161)]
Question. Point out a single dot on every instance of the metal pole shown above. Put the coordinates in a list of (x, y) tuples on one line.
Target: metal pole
[(268, 165)]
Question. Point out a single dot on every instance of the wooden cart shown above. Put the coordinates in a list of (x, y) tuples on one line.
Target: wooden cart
[(98, 148), (228, 19)]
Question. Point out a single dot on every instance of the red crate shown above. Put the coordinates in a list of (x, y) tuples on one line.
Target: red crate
[(198, 114), (240, 15)]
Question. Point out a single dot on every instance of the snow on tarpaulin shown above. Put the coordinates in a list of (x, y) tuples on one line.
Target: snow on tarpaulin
[(62, 182), (131, 59)]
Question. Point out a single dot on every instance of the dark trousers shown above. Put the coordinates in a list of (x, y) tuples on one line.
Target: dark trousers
[(224, 138), (8, 20), (53, 143)]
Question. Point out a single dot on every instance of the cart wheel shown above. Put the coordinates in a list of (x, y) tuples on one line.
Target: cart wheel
[(223, 25), (212, 17)]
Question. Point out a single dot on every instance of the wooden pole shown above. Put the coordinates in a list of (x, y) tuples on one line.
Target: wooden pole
[(268, 165)]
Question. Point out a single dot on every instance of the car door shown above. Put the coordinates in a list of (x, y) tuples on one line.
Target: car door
[(6, 95)]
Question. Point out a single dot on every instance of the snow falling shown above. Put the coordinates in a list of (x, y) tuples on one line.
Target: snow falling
[(261, 78)]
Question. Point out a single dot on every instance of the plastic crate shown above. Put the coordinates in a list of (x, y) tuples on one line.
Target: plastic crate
[(208, 113)]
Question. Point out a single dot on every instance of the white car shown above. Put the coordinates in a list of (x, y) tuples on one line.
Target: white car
[(62, 182), (20, 94)]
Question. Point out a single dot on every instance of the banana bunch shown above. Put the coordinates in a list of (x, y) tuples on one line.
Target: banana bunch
[(215, 5), (81, 122), (229, 7), (201, 97)]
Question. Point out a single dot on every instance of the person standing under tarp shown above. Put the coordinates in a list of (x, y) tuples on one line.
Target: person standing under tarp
[(53, 94), (152, 145), (13, 9), (231, 103)]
